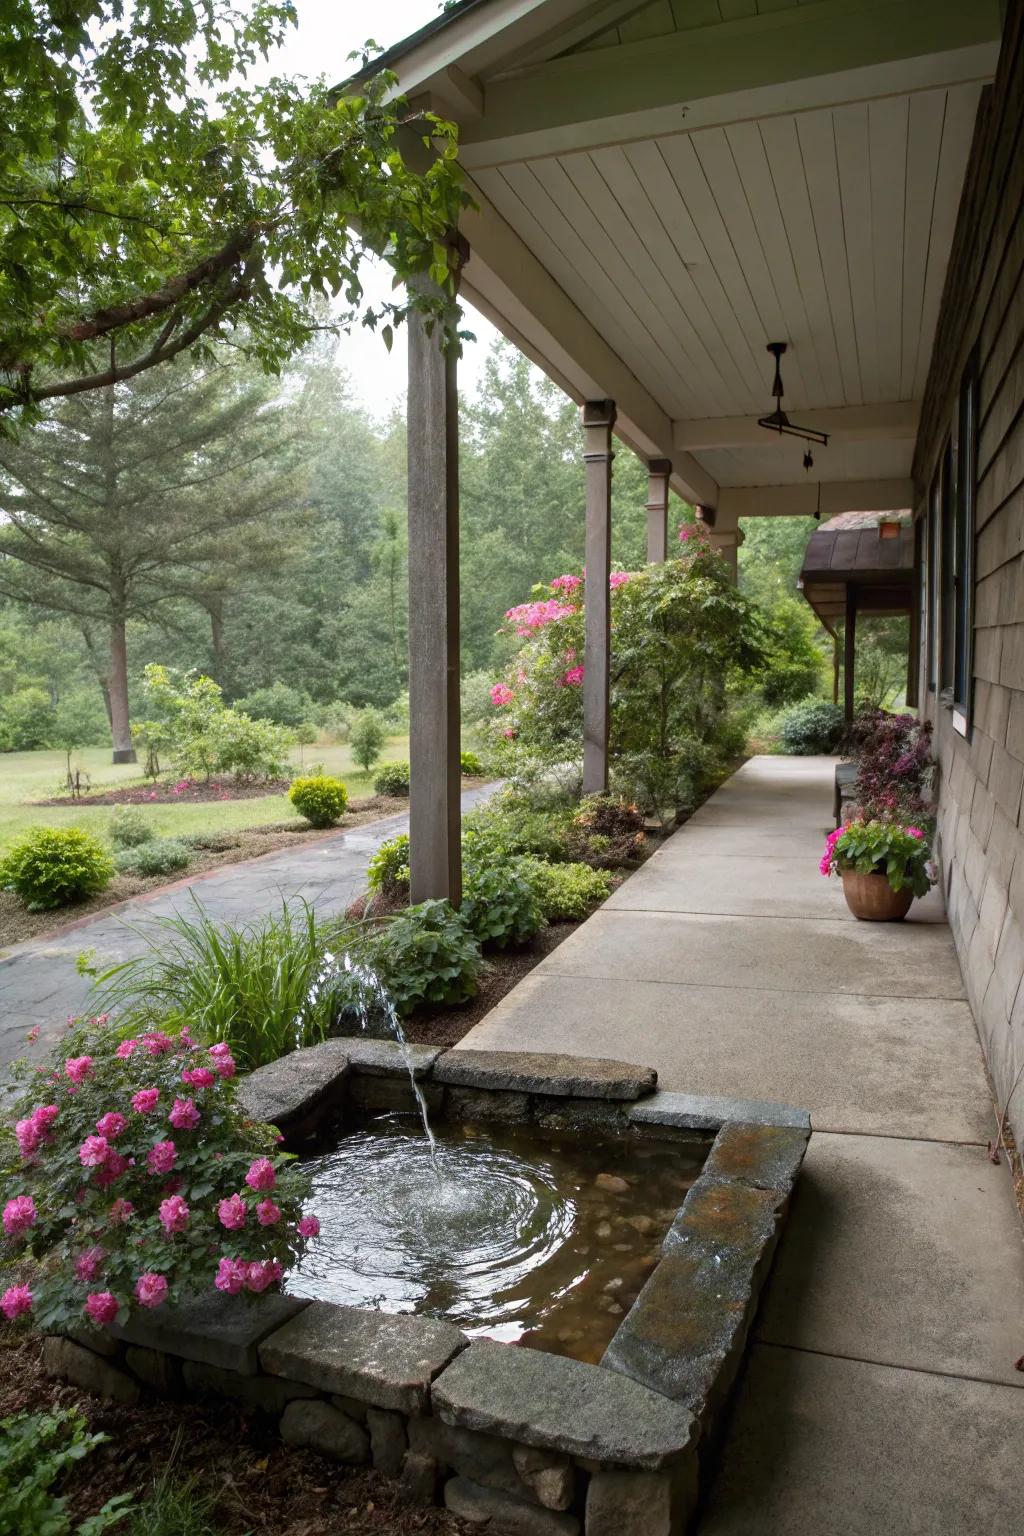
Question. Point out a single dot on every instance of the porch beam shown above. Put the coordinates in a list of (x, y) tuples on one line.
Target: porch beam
[(659, 473), (735, 501), (845, 424), (435, 787), (598, 421)]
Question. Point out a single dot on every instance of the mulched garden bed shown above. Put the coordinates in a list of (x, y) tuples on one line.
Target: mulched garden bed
[(262, 1487), (179, 792)]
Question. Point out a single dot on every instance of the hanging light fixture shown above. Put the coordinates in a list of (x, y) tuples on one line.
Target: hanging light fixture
[(778, 421)]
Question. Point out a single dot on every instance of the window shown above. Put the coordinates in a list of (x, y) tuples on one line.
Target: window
[(932, 583), (963, 546), (947, 574)]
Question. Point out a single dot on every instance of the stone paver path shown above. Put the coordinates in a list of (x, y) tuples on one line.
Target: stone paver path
[(39, 983), (880, 1392)]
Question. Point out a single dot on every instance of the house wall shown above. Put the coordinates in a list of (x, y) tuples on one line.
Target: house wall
[(981, 817)]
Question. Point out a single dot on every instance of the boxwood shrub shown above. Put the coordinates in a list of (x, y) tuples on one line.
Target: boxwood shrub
[(812, 727), (392, 779), (56, 866), (319, 798)]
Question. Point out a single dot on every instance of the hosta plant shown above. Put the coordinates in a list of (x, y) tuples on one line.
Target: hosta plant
[(885, 848), (132, 1177), (499, 904)]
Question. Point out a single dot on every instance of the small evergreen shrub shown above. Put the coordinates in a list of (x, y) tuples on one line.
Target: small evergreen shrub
[(320, 799), (470, 765), (392, 779), (162, 856), (567, 893), (389, 868), (129, 827), (56, 866), (427, 954), (816, 726), (499, 904)]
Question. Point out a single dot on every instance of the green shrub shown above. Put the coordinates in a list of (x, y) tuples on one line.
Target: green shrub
[(54, 867), (392, 779), (499, 904), (566, 892), (129, 827), (28, 720), (305, 733), (607, 832), (812, 727), (470, 765), (320, 799), (366, 738), (162, 856), (508, 825), (279, 703), (36, 1449), (426, 954), (389, 867)]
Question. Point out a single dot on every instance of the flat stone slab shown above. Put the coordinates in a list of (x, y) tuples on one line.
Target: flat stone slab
[(214, 1329), (287, 1089), (386, 1058), (766, 1156), (584, 1077), (706, 1112), (382, 1359), (562, 1405)]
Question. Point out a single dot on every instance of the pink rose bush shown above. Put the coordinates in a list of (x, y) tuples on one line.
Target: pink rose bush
[(127, 1192)]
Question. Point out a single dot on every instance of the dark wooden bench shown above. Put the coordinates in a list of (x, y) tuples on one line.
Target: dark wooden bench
[(846, 776)]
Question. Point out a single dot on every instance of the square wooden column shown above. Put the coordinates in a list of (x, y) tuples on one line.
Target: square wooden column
[(850, 653), (435, 790), (598, 420), (658, 474)]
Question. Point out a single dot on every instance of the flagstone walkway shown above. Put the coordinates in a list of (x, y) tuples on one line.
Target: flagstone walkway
[(880, 1392), (39, 982)]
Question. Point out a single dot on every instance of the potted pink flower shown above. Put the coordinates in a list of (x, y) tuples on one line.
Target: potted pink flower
[(883, 866)]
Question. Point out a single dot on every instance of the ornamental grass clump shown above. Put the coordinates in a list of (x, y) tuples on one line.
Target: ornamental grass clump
[(900, 853), (133, 1179)]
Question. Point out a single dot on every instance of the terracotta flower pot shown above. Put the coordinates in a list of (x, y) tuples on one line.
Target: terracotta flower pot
[(873, 900)]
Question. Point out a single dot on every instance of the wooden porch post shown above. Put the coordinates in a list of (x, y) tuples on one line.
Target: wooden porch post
[(658, 473), (435, 822), (849, 650), (598, 420)]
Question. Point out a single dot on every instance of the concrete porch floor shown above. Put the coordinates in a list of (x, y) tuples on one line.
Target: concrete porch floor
[(879, 1391)]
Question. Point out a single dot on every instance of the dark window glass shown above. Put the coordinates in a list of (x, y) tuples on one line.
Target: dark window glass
[(932, 581), (963, 539), (947, 606)]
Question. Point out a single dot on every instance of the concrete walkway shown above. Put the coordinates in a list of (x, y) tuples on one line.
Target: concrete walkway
[(39, 982), (880, 1392)]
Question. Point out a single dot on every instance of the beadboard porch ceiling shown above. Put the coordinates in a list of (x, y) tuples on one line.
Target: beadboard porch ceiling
[(663, 188)]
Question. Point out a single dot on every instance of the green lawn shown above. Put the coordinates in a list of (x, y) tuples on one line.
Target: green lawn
[(27, 776)]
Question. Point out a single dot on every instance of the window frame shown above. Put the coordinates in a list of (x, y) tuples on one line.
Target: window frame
[(964, 513)]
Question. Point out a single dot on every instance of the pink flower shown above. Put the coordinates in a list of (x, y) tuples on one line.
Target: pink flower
[(174, 1214), (914, 832), (89, 1263), (184, 1116), (126, 1049), (267, 1213), (566, 583), (145, 1100), (112, 1169), (570, 679), (45, 1115), (30, 1136), (33, 1034), (157, 1043), (120, 1212), (151, 1290), (101, 1307), (14, 1301), (94, 1151), (78, 1068), (232, 1213), (261, 1174), (309, 1226), (528, 617), (198, 1077), (162, 1157), (619, 579), (111, 1124), (19, 1214), (510, 733), (258, 1276), (220, 1049), (225, 1066), (230, 1277), (500, 695)]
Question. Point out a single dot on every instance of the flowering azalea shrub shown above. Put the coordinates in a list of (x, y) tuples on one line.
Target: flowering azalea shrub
[(682, 635), (132, 1178), (899, 852), (894, 765)]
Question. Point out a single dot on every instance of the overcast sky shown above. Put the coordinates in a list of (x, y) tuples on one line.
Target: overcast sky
[(328, 31)]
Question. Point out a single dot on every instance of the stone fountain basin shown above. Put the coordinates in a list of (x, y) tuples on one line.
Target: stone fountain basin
[(535, 1443)]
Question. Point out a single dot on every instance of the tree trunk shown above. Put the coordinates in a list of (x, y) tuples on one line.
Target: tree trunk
[(96, 663), (215, 609), (120, 724)]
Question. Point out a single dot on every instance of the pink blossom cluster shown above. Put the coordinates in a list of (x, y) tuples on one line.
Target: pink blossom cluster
[(234, 1275), (566, 583), (34, 1131), (528, 617), (830, 842), (572, 678), (619, 579), (500, 695), (19, 1215)]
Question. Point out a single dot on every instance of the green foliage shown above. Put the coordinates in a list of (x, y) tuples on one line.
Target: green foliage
[(509, 825), (175, 1506), (607, 833), (427, 954), (392, 779), (129, 827), (887, 848), (259, 987), (55, 867), (162, 856), (204, 738), (320, 799), (36, 1450), (566, 892), (389, 867), (470, 765), (499, 904), (278, 703), (304, 734), (793, 663), (26, 721), (812, 727), (366, 738)]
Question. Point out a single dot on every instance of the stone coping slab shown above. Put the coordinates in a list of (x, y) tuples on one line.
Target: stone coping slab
[(562, 1405), (709, 1112), (383, 1359), (386, 1058), (292, 1087), (214, 1329), (585, 1077), (766, 1156)]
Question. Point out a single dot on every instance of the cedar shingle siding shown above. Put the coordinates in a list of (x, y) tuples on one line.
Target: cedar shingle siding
[(981, 816)]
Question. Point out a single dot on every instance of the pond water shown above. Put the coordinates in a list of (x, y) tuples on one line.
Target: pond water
[(518, 1234)]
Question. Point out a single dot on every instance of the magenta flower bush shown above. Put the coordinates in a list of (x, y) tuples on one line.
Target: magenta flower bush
[(132, 1177), (894, 765)]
